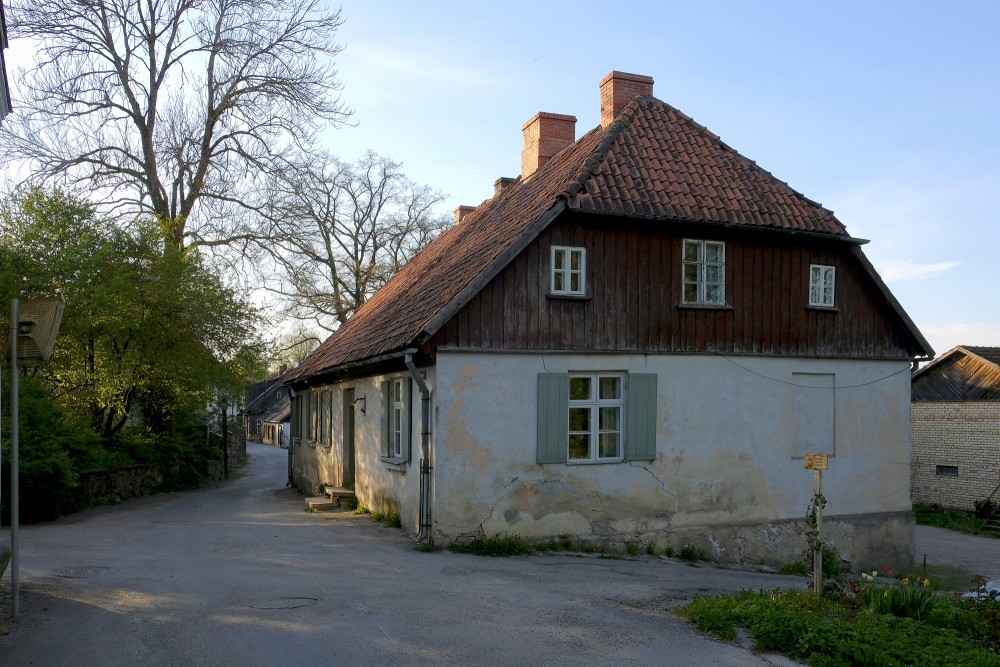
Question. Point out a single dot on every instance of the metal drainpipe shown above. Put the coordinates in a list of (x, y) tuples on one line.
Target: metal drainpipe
[(425, 436)]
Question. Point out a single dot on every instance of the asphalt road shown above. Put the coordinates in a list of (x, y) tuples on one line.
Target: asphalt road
[(239, 574)]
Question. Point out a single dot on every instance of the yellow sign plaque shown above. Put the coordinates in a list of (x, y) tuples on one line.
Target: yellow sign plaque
[(817, 462)]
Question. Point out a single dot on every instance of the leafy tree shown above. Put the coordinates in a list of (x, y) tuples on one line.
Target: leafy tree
[(342, 230), (144, 326), (173, 109)]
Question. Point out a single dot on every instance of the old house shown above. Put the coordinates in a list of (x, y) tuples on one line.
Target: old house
[(956, 428), (638, 339), (260, 401)]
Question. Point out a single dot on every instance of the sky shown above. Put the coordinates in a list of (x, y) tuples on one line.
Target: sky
[(888, 113)]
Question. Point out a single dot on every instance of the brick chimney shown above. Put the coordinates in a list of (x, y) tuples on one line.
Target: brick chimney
[(501, 184), (618, 89), (462, 211), (545, 135)]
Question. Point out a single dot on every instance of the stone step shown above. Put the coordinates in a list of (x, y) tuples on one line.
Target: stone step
[(317, 503)]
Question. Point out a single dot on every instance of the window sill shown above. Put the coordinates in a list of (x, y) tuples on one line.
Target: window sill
[(594, 463), (394, 463), (703, 306), (569, 297), (824, 309)]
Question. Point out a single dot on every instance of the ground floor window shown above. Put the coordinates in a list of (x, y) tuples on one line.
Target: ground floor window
[(596, 417)]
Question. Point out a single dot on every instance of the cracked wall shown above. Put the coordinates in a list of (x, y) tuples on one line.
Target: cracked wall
[(728, 472)]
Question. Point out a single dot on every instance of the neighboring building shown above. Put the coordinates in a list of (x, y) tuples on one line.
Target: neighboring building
[(955, 425), (260, 400), (274, 429), (639, 339), (5, 104)]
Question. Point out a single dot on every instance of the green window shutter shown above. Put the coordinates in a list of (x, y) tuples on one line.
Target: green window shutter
[(641, 420), (553, 417), (386, 416), (407, 417)]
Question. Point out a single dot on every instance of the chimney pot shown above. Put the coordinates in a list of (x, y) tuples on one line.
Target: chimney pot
[(501, 184), (545, 135), (618, 89), (462, 211)]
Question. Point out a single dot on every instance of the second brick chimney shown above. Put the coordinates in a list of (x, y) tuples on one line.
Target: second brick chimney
[(545, 135), (618, 89)]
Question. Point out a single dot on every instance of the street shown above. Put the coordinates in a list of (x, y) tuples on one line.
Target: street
[(239, 574)]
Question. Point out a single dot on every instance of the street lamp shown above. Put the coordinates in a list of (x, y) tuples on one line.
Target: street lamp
[(35, 327)]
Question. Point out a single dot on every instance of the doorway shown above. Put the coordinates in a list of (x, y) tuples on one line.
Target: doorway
[(347, 471)]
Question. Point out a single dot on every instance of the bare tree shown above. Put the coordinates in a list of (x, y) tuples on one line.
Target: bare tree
[(342, 230), (175, 108)]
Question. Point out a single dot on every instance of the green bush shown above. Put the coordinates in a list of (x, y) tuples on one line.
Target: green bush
[(905, 600)]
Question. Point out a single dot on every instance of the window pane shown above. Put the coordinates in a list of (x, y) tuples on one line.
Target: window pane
[(579, 388), (574, 282), (579, 419), (609, 445), (828, 277), (558, 283), (691, 251), (814, 274), (713, 253), (712, 274), (690, 293), (691, 273), (713, 294), (397, 391), (610, 419), (574, 260), (559, 259), (814, 297), (611, 387), (579, 446)]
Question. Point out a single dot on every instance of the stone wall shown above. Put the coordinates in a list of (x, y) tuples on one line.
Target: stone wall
[(106, 487), (955, 452)]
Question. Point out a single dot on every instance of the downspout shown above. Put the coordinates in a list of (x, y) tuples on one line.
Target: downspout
[(425, 437)]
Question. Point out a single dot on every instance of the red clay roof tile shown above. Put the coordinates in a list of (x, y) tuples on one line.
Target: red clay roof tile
[(652, 161)]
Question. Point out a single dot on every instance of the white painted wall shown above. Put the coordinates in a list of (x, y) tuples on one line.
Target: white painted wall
[(729, 439), (378, 485)]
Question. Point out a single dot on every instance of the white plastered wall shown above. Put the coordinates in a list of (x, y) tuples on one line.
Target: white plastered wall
[(729, 444)]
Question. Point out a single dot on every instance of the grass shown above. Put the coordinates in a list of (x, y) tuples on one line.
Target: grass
[(958, 520), (498, 546), (843, 629)]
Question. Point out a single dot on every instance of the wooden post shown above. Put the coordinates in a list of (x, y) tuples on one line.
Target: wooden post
[(818, 551)]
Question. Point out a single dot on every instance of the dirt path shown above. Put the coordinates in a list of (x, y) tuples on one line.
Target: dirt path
[(947, 547)]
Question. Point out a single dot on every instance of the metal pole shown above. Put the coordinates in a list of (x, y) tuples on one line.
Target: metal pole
[(15, 581), (818, 553)]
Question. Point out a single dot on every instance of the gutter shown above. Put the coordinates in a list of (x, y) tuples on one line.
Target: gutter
[(425, 436)]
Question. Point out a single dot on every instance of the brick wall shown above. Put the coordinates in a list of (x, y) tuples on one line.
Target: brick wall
[(962, 435)]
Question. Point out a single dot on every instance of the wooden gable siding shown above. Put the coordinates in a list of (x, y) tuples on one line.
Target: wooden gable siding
[(961, 378), (633, 273)]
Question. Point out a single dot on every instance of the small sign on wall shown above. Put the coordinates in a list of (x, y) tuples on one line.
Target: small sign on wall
[(817, 461)]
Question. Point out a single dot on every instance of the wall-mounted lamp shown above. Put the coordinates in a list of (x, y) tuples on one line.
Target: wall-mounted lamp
[(363, 403)]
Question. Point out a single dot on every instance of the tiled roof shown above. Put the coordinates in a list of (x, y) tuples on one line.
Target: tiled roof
[(652, 162)]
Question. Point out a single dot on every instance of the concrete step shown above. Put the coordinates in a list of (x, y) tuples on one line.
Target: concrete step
[(317, 503)]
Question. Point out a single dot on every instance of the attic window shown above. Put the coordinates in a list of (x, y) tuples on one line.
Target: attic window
[(569, 267), (704, 273), (822, 280)]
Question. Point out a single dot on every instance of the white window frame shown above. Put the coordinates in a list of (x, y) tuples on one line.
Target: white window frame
[(822, 285), (396, 397), (566, 273), (701, 266), (595, 403)]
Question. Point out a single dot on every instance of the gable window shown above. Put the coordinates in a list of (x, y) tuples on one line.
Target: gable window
[(822, 280), (704, 272), (569, 267), (396, 397), (596, 417)]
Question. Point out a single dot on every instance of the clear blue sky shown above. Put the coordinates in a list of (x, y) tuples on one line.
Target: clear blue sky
[(888, 113)]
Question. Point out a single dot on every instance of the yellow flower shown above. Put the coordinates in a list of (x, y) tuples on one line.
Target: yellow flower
[(906, 580), (926, 582)]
